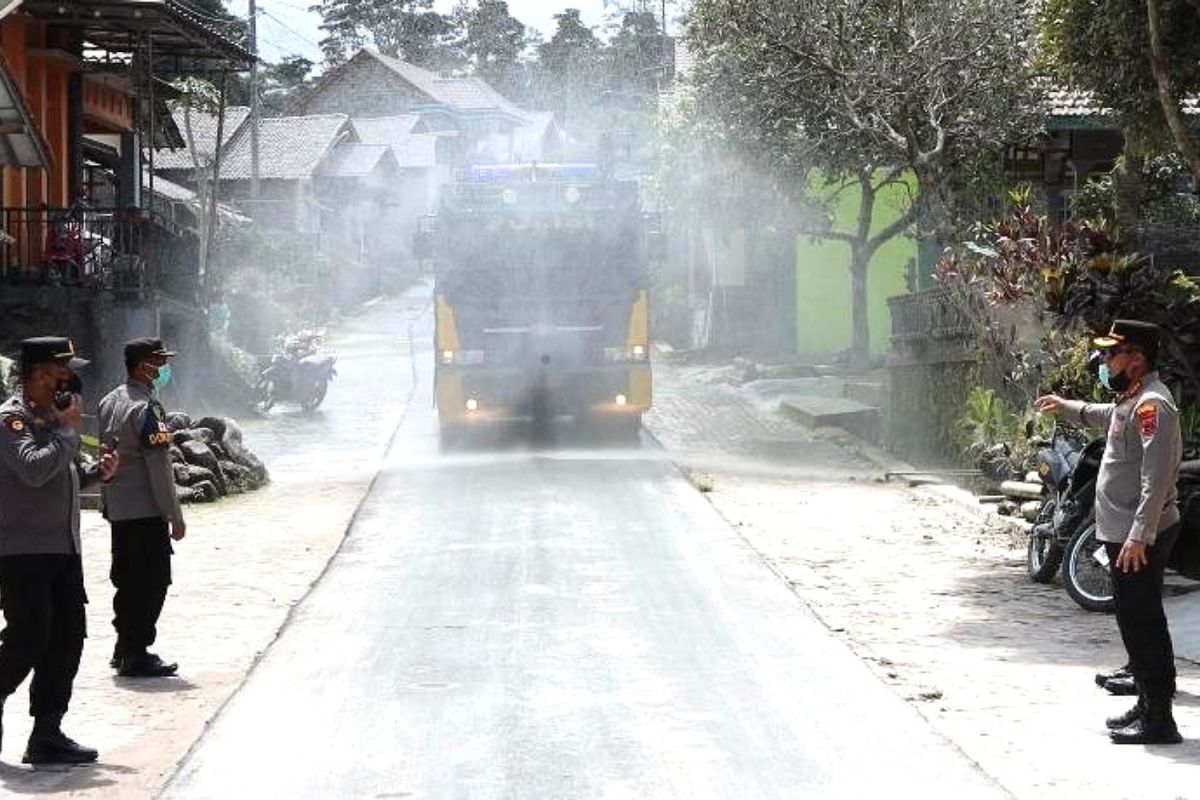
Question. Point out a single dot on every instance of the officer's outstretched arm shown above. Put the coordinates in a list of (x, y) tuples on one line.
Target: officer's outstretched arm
[(33, 465)]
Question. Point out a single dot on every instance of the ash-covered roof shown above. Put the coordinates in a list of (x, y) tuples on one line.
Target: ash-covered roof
[(354, 160), (290, 148), (1081, 104), (204, 131), (412, 150)]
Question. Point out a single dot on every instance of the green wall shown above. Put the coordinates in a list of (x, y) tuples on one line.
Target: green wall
[(823, 327)]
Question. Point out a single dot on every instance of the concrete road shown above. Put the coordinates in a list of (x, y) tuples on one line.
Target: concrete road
[(571, 622)]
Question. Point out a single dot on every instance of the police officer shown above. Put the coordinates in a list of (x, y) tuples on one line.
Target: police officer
[(41, 570), (1136, 515), (141, 506)]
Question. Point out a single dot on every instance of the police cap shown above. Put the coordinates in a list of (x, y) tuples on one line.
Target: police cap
[(50, 350), (1144, 336), (138, 350)]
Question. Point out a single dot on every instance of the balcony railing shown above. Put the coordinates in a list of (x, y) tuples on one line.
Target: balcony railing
[(78, 246), (930, 314)]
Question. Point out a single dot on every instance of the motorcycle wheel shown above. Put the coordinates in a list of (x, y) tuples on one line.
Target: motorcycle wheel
[(1087, 578), (317, 397), (266, 395), (1045, 554)]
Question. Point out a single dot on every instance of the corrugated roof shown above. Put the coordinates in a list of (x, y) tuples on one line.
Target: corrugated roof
[(204, 130), (353, 160), (290, 148)]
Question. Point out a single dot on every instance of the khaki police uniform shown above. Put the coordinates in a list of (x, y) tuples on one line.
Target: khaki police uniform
[(1136, 500), (139, 503)]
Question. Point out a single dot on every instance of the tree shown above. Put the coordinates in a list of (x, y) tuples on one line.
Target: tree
[(284, 81), (1140, 59), (867, 92), (406, 29), (494, 39), (635, 57), (199, 96), (565, 78)]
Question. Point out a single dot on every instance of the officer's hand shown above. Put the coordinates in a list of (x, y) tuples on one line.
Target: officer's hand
[(178, 529), (1132, 557), (109, 461), (1050, 404), (72, 416)]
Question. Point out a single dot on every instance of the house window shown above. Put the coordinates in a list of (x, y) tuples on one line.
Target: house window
[(1023, 163)]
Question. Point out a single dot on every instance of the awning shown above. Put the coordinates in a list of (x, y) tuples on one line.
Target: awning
[(118, 26), (21, 143)]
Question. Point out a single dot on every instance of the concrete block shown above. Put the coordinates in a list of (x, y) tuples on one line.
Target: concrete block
[(852, 416)]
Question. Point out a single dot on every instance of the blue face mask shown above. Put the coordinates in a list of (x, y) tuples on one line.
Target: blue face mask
[(1105, 377), (163, 377)]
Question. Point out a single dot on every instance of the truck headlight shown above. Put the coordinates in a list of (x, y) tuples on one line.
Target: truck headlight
[(464, 357), (639, 352)]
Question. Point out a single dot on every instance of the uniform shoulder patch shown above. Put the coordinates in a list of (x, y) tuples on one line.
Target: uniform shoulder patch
[(14, 423), (1147, 415)]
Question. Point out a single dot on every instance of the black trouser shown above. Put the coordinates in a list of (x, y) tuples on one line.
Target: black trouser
[(43, 600), (1141, 619), (141, 573)]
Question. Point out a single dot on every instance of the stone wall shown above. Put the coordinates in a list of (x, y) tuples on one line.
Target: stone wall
[(932, 367)]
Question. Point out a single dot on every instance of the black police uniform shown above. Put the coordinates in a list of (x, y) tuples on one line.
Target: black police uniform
[(41, 569)]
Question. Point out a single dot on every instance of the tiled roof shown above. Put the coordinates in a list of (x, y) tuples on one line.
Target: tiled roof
[(169, 190), (290, 148), (412, 150), (204, 130), (463, 94), (1077, 103), (352, 160)]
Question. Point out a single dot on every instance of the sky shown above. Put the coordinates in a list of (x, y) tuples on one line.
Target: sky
[(286, 26)]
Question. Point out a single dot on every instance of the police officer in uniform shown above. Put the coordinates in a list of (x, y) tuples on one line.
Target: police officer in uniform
[(141, 506), (41, 569), (1137, 517)]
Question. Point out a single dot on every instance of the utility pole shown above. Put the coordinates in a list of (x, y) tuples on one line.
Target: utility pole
[(666, 55), (254, 110)]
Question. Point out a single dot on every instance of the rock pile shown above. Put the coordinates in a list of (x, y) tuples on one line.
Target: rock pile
[(210, 459)]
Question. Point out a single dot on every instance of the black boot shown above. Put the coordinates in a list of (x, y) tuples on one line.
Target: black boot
[(1155, 726), (1104, 677), (146, 665), (1128, 718), (49, 745), (1120, 686)]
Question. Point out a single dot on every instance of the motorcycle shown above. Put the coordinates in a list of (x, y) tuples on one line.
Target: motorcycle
[(299, 374), (1063, 533), (1087, 572)]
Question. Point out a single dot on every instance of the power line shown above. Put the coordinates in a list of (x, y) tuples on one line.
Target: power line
[(288, 28)]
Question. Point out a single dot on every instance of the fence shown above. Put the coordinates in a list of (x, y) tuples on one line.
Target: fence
[(82, 246)]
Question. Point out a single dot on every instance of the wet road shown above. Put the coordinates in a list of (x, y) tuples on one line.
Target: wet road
[(555, 623)]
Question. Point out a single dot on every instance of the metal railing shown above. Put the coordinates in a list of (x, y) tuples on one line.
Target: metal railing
[(77, 246), (929, 314)]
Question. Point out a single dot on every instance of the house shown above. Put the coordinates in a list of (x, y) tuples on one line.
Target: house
[(487, 125), (85, 251)]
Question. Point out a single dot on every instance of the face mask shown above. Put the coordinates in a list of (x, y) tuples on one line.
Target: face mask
[(1116, 383), (163, 377)]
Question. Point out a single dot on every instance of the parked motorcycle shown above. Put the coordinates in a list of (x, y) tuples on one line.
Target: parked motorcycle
[(1063, 534), (299, 374), (1087, 574)]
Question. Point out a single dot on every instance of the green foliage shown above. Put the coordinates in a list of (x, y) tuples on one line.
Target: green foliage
[(987, 420), (848, 85), (1166, 199), (1075, 278), (1189, 424), (407, 29), (1102, 46)]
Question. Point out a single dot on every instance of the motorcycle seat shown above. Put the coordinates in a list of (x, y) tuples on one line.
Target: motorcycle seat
[(1190, 468)]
